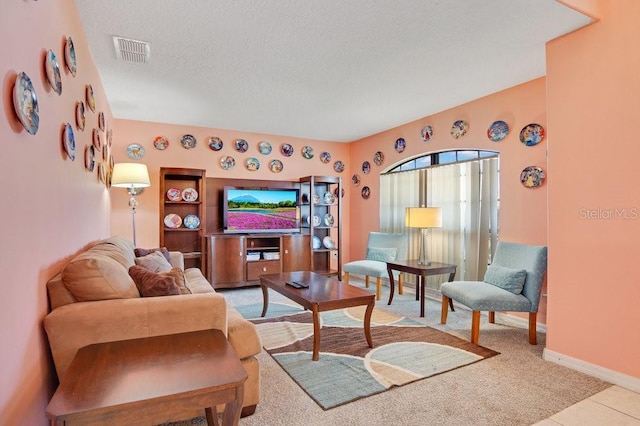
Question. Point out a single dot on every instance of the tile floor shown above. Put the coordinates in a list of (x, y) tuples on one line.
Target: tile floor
[(613, 406)]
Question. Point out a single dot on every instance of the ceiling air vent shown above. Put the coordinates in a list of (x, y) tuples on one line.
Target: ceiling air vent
[(132, 50)]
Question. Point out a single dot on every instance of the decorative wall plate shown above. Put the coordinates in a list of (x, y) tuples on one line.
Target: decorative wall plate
[(241, 145), (532, 177), (105, 152), (188, 141), (252, 164), (328, 219), (325, 157), (497, 131), (174, 194), (316, 220), (338, 166), (172, 221), (275, 166), (532, 134), (135, 151), (286, 150), (25, 103), (189, 194), (110, 137), (366, 167), (400, 145), (307, 152), (97, 140), (459, 129), (101, 124), (102, 173), (328, 242), (355, 180), (69, 141), (161, 143), (191, 221), (70, 56), (227, 162), (91, 100), (365, 192), (329, 198), (378, 158), (80, 117), (317, 242), (53, 72), (426, 133), (215, 143), (89, 158), (335, 192), (316, 198), (264, 147)]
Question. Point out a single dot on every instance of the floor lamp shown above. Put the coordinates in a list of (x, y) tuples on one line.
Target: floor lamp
[(423, 218), (134, 177)]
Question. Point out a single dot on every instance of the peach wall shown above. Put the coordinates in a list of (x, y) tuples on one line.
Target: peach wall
[(202, 157), (593, 88), (52, 207)]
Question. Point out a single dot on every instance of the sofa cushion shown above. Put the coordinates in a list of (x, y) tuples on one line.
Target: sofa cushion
[(152, 284), (154, 262), (124, 247), (140, 252), (381, 254), (96, 275), (196, 282), (506, 278)]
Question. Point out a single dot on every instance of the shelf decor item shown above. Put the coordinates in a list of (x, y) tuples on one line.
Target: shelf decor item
[(53, 72), (423, 218), (426, 133), (25, 103), (532, 134), (459, 128), (174, 194), (532, 177), (190, 195), (497, 131), (191, 221), (172, 221), (133, 177)]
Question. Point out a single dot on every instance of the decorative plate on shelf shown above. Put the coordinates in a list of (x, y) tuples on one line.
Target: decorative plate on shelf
[(80, 117), (241, 145), (378, 158), (252, 164), (91, 100), (316, 220), (276, 166), (365, 192), (532, 134), (174, 194), (325, 157), (426, 133), (317, 243), (215, 143), (338, 166), (53, 72), (69, 142), (316, 199), (25, 103), (89, 158), (286, 150), (328, 242), (172, 221), (97, 140), (400, 145), (161, 143), (459, 129), (497, 131), (101, 124), (532, 177), (355, 180), (366, 167), (329, 198), (189, 194), (188, 141), (328, 219), (307, 152), (70, 56), (191, 221), (227, 162), (135, 151), (264, 147)]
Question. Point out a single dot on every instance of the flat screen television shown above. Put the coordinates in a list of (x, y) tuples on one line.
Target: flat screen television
[(266, 210)]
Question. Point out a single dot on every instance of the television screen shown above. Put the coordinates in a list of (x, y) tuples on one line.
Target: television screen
[(261, 210)]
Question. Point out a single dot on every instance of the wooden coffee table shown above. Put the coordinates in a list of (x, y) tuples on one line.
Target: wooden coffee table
[(323, 294), (151, 380)]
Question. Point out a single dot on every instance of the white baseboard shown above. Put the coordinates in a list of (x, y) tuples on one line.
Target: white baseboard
[(519, 322), (611, 376)]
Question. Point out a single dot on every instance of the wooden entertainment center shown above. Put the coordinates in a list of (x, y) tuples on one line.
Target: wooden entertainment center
[(237, 260)]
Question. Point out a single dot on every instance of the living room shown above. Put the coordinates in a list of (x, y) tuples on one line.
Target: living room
[(587, 99)]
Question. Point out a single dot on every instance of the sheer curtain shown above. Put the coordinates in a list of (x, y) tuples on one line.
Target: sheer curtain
[(467, 192)]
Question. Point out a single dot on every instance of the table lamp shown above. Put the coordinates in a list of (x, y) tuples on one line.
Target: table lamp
[(132, 176), (423, 218)]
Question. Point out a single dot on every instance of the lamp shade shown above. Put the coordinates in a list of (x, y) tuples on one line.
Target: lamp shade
[(130, 175), (423, 217)]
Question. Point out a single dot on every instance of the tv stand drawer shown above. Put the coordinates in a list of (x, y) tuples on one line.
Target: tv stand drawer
[(255, 269)]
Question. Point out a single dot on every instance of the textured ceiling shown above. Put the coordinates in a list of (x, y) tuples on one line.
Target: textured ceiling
[(335, 70)]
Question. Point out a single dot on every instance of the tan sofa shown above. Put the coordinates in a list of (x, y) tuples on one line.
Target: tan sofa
[(94, 300)]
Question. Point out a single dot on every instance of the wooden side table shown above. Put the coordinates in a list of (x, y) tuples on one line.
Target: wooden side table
[(421, 271), (150, 381)]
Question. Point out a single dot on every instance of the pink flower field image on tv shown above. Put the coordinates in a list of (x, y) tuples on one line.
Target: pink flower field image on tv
[(263, 219)]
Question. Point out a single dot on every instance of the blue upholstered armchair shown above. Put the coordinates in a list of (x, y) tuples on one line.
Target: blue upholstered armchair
[(513, 283), (381, 247)]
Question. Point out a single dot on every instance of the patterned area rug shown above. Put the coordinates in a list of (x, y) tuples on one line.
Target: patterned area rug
[(404, 351)]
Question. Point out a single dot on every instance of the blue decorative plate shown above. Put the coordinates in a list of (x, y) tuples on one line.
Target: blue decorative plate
[(286, 150), (25, 103), (69, 141), (459, 129), (497, 131), (252, 164), (338, 166), (53, 72), (532, 134), (188, 141), (215, 143), (307, 152), (191, 221), (70, 56), (400, 145), (426, 133), (135, 151), (264, 147), (366, 167), (325, 157), (241, 145)]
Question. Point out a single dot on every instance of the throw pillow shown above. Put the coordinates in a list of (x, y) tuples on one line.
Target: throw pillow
[(181, 282), (140, 252), (151, 284), (506, 278), (92, 275), (154, 261), (381, 254)]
